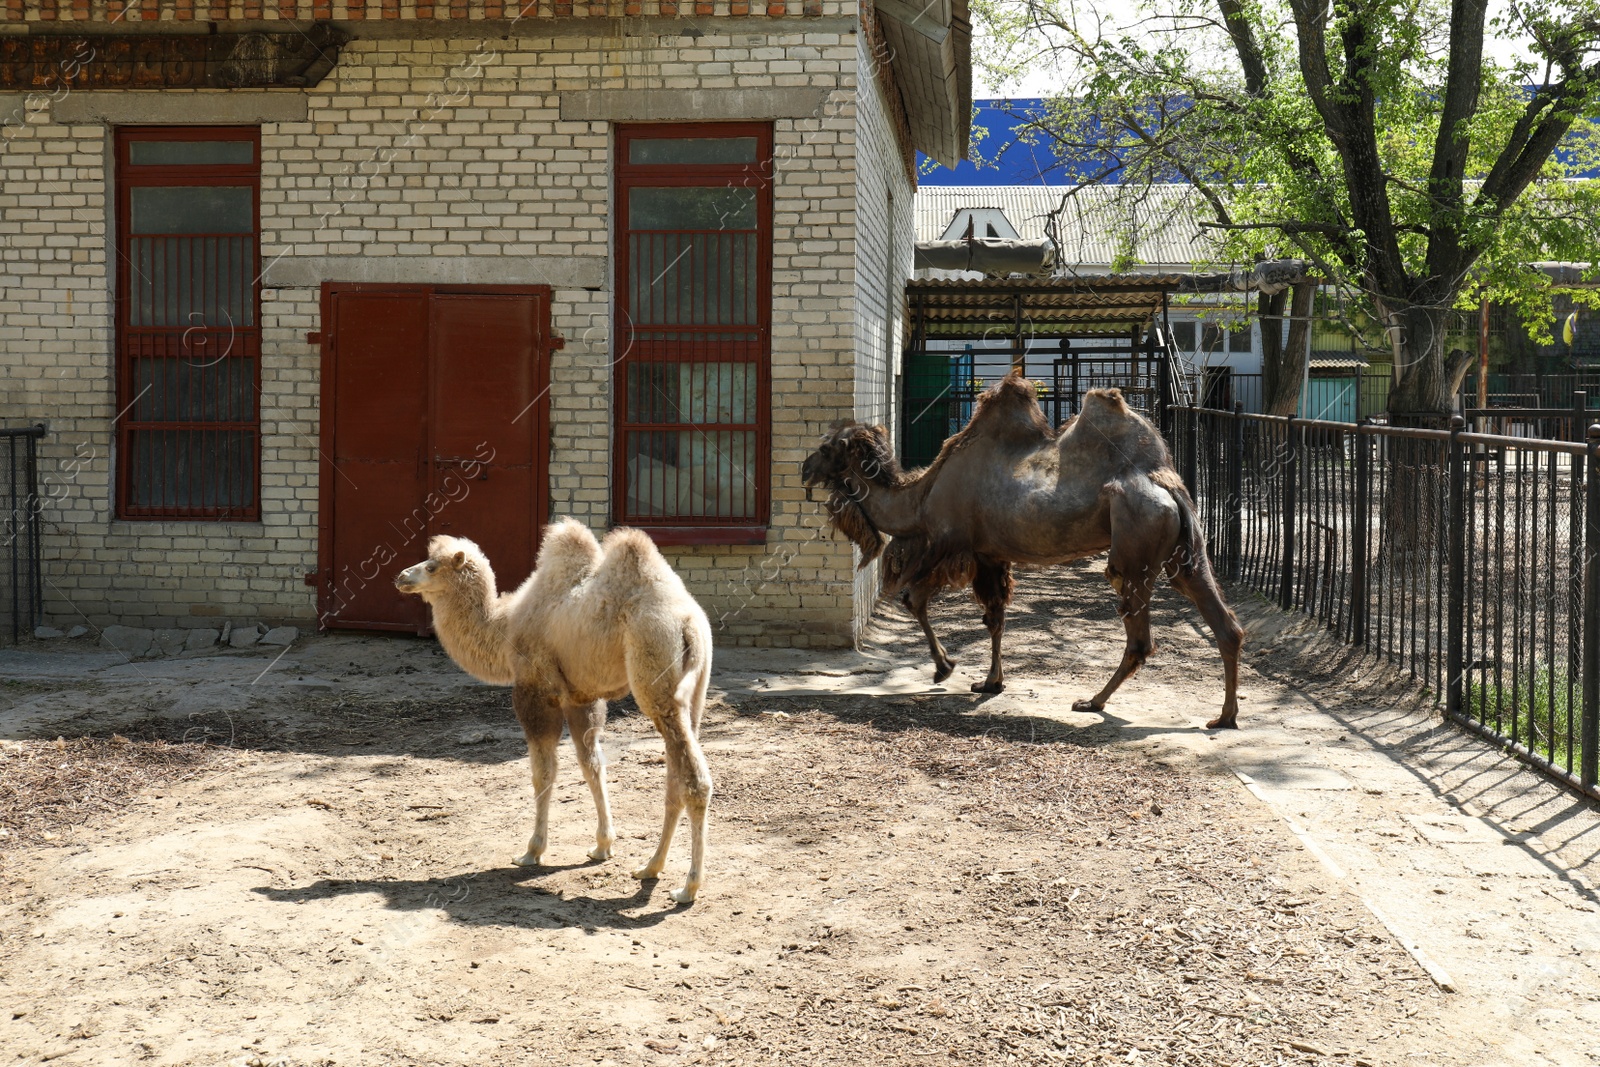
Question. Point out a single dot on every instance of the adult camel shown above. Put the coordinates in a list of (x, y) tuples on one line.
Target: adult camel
[(1006, 490)]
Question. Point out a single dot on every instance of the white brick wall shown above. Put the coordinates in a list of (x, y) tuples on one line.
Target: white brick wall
[(885, 241), (448, 147)]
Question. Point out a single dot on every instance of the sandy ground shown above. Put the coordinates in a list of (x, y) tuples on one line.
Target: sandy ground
[(311, 865)]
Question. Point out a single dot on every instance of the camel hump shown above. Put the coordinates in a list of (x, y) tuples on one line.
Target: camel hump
[(1010, 408), (1108, 398), (568, 548), (632, 552)]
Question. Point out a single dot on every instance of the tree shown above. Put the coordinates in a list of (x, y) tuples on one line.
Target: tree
[(1376, 138)]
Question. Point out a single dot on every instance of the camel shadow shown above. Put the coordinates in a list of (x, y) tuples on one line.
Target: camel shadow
[(496, 896), (1062, 620)]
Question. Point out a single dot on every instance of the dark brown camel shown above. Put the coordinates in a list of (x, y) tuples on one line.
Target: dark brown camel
[(1005, 490)]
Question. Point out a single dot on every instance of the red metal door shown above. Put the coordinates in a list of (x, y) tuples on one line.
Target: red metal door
[(434, 421), (485, 399)]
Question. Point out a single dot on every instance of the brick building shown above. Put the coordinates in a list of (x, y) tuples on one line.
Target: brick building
[(295, 285)]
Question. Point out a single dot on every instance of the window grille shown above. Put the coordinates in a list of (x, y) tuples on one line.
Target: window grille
[(188, 323), (694, 308)]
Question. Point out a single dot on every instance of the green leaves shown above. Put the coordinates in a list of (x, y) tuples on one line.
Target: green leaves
[(1341, 132)]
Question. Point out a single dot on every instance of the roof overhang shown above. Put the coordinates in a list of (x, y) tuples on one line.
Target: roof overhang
[(1111, 304), (931, 45)]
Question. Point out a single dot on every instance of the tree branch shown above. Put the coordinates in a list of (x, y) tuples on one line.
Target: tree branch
[(1463, 85), (1237, 20)]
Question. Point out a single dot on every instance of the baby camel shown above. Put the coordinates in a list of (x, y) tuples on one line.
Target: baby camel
[(592, 623)]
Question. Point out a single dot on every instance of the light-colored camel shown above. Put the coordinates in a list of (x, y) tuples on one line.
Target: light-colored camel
[(1005, 490), (592, 623)]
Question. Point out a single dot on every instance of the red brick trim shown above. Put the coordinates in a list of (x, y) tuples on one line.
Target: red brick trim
[(148, 11)]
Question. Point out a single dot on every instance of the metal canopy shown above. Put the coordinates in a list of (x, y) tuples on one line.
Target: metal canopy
[(1112, 304)]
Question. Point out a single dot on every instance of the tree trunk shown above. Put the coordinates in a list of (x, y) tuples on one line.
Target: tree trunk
[(1283, 360), (1425, 394), (1424, 397)]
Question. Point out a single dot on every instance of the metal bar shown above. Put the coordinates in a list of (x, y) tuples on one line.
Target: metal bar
[(1456, 571), (1235, 510), (1359, 520), (1191, 446), (1590, 730), (1289, 475)]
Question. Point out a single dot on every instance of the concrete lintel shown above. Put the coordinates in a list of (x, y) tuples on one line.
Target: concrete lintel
[(561, 272), (156, 107), (689, 105), (14, 107)]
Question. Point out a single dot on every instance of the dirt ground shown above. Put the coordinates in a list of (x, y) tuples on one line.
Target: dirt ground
[(320, 874)]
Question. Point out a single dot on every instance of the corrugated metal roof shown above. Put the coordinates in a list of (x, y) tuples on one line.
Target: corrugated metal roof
[(1106, 304), (1025, 206), (1094, 224)]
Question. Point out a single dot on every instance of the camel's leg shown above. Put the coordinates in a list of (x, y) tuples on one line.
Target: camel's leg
[(694, 790), (586, 723), (991, 587), (540, 717), (669, 824), (1201, 587), (1133, 604), (688, 786), (916, 600)]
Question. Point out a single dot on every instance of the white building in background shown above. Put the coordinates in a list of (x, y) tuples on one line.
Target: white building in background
[(1105, 230)]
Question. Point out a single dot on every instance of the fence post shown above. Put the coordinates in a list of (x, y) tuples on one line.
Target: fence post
[(1163, 397), (1590, 728), (1291, 441), (1580, 416), (1191, 449), (1236, 495), (1456, 574), (1359, 522)]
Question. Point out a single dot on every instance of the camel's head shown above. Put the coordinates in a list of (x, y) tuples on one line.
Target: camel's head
[(851, 459), (448, 558), (851, 454)]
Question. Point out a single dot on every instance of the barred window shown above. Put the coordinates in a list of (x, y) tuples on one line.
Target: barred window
[(188, 430), (694, 309)]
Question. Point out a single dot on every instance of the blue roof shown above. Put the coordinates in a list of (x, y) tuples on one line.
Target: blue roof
[(1008, 161)]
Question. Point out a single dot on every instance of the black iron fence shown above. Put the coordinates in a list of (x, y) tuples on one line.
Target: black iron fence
[(21, 580), (1467, 559), (940, 388)]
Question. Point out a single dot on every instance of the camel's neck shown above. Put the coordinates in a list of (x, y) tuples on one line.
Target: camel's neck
[(474, 629), (894, 509)]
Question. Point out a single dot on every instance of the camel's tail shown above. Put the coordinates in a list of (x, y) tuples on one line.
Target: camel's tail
[(1190, 558), (696, 667)]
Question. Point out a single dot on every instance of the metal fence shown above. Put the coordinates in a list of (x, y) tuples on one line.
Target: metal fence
[(940, 388), (1467, 559), (21, 580)]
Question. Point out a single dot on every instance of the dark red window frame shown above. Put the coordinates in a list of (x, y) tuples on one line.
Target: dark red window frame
[(234, 489), (641, 343)]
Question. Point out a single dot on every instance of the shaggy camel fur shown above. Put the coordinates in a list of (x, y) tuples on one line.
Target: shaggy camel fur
[(1005, 490), (592, 623)]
